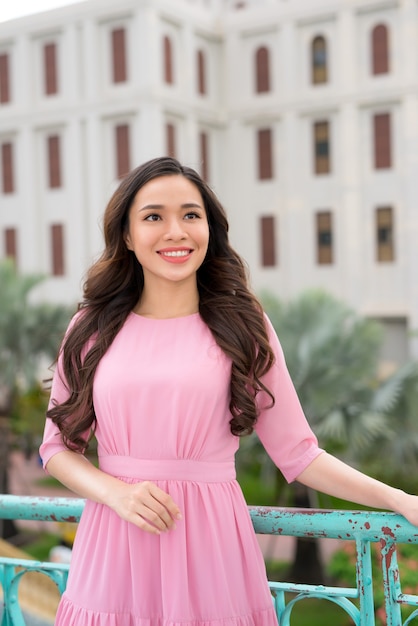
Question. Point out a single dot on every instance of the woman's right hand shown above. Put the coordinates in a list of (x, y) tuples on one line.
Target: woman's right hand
[(145, 505)]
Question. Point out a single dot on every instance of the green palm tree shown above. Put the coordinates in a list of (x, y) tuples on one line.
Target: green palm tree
[(29, 334), (332, 355), (397, 400)]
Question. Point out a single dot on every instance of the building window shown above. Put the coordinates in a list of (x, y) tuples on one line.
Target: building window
[(50, 69), (57, 249), (322, 148), (382, 141), (54, 161), (7, 169), (201, 72), (4, 78), (119, 73), (268, 241), (170, 138), (319, 61), (324, 238), (168, 61), (262, 70), (10, 243), (380, 49), (385, 249), (123, 150), (204, 155), (265, 154)]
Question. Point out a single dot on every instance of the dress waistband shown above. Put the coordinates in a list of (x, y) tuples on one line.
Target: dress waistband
[(168, 469)]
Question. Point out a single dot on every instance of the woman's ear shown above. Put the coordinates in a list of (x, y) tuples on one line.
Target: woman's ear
[(128, 241)]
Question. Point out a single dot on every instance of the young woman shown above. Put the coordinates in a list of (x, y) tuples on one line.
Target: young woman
[(169, 360)]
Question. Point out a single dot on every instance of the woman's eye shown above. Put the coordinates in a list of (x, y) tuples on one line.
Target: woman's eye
[(191, 216), (153, 217)]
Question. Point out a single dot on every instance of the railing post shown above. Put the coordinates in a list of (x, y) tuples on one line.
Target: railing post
[(364, 576), (391, 582), (12, 615)]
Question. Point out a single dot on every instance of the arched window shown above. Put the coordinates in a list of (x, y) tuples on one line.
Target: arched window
[(168, 61), (201, 72), (380, 49), (319, 60), (262, 70)]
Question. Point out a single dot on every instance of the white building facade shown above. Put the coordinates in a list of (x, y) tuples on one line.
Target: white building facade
[(303, 116)]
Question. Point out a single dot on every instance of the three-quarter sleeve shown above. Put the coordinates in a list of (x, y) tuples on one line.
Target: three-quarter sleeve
[(283, 428), (52, 442)]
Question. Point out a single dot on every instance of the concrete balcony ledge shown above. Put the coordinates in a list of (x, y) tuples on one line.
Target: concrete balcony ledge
[(364, 528)]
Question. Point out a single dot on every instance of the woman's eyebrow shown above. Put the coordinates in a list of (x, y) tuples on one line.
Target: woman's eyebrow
[(159, 207), (153, 207)]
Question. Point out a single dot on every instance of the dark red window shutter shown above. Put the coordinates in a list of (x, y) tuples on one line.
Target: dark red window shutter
[(168, 61), (204, 155), (265, 154), (57, 249), (7, 167), (201, 72), (4, 78), (119, 72), (50, 69), (380, 49), (54, 161), (382, 141), (268, 241), (123, 160), (170, 131), (262, 70), (10, 243)]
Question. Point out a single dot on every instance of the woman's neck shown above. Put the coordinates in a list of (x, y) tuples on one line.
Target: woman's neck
[(166, 303)]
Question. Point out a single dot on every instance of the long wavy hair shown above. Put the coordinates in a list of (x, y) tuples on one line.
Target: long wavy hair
[(114, 285)]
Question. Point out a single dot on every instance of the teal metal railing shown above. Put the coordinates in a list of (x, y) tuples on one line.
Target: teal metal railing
[(363, 527)]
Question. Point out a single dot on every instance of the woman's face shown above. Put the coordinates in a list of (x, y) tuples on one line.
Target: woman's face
[(168, 229)]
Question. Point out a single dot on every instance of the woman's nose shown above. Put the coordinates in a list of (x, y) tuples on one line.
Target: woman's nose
[(175, 230)]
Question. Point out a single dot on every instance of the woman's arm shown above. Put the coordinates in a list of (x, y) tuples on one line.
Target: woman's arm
[(333, 477), (143, 504)]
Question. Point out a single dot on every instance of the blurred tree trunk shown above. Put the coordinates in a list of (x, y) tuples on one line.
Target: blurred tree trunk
[(307, 566), (8, 528)]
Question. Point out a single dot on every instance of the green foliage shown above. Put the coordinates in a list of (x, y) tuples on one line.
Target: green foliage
[(41, 545), (397, 398), (342, 568), (29, 333), (332, 356), (28, 413)]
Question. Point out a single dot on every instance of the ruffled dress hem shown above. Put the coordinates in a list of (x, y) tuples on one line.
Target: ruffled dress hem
[(70, 614)]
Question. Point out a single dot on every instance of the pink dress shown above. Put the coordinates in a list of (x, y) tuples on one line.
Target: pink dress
[(161, 396)]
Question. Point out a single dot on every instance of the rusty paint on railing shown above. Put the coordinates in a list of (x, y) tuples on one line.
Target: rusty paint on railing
[(362, 527)]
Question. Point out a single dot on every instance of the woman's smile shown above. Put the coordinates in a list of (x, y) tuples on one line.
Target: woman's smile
[(176, 255), (168, 230)]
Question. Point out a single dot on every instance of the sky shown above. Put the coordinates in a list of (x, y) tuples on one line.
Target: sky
[(10, 9)]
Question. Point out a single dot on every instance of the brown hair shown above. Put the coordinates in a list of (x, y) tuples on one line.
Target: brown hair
[(114, 285)]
